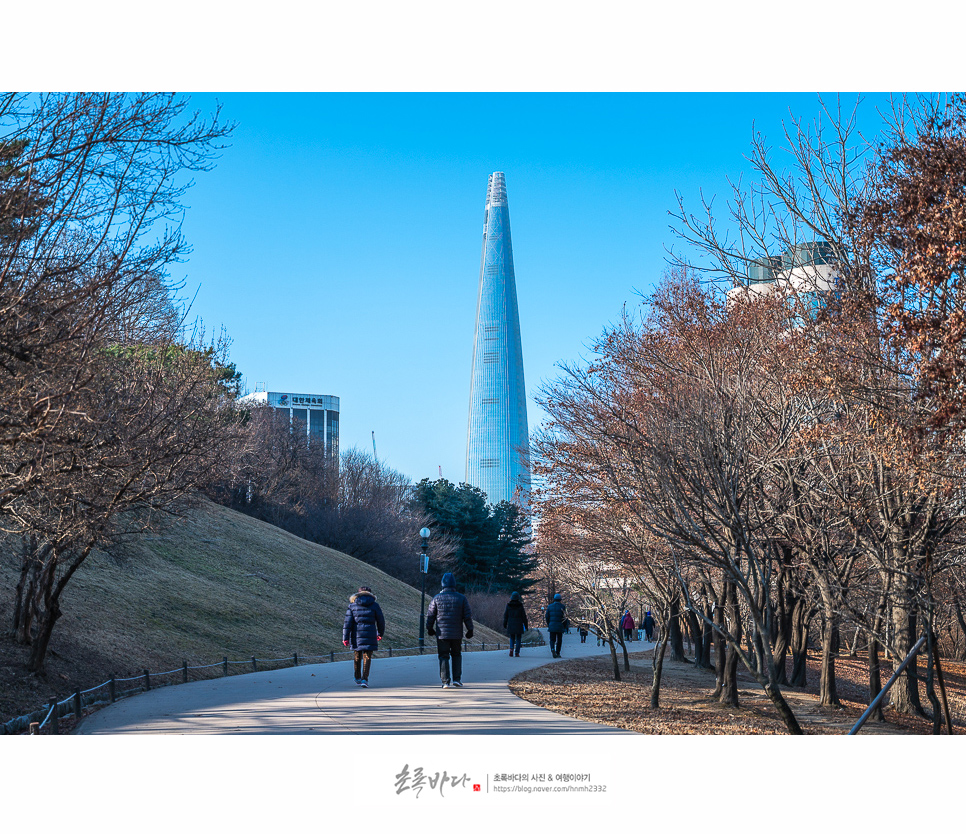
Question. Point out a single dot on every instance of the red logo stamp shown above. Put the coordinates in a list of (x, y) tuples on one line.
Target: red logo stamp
[(476, 787)]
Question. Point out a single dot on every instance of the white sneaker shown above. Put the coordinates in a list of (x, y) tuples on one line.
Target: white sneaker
[(457, 683), (446, 686)]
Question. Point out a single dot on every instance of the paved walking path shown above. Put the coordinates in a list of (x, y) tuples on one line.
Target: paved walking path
[(404, 697)]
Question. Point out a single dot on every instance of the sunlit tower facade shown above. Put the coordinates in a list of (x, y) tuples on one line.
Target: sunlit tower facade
[(497, 438)]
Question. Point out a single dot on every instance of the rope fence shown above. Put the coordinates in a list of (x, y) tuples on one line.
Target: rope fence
[(46, 720)]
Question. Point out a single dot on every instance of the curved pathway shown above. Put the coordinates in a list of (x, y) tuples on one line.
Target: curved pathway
[(404, 697)]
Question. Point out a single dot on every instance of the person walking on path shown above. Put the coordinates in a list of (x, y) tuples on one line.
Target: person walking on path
[(648, 626), (448, 613), (515, 622), (555, 615), (582, 631), (628, 625), (362, 630)]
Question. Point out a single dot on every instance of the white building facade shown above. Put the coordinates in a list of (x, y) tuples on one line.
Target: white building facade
[(317, 415)]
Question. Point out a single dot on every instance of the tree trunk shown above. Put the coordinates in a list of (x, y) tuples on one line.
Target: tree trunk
[(937, 717), (658, 664), (719, 648), (707, 639), (729, 683), (613, 657), (49, 589), (697, 636), (904, 695), (828, 694), (675, 637), (784, 710), (799, 643), (962, 626), (623, 645), (25, 605), (875, 679), (37, 573), (875, 670), (38, 649), (783, 630)]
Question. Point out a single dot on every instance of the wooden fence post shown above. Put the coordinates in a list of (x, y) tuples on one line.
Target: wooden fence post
[(54, 718), (78, 709), (147, 681), (224, 663), (390, 651), (295, 659), (35, 728), (184, 670), (254, 667), (331, 657), (112, 689)]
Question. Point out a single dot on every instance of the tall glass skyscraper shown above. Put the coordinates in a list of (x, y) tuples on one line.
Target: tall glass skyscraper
[(497, 439)]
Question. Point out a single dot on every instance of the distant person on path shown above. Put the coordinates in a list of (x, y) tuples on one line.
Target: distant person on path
[(648, 626), (448, 613), (628, 625), (582, 631), (362, 630), (555, 615), (515, 622)]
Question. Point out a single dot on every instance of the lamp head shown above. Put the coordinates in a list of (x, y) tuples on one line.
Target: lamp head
[(424, 533)]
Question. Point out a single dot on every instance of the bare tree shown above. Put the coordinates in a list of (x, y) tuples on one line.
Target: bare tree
[(103, 408)]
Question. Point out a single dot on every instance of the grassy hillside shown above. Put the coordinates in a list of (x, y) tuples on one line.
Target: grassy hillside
[(213, 584)]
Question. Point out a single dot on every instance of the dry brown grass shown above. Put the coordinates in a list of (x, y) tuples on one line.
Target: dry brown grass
[(585, 688), (213, 584)]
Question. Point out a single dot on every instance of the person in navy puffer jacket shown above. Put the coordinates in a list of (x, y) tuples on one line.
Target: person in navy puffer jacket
[(555, 615), (362, 630), (448, 613)]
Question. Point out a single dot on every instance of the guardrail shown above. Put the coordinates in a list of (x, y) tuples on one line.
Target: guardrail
[(46, 720)]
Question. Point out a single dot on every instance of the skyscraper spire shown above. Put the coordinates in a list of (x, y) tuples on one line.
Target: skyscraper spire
[(497, 438)]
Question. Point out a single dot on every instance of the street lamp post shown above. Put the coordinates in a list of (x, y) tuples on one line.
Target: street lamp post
[(423, 567)]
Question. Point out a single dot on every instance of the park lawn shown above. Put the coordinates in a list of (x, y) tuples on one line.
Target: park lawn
[(211, 584)]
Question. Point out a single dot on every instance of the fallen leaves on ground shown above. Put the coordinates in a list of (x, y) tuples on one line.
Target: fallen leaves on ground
[(585, 689)]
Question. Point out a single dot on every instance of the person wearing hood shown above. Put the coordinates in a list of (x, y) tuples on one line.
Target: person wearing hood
[(362, 630), (648, 626), (555, 615), (515, 622), (447, 614), (627, 623)]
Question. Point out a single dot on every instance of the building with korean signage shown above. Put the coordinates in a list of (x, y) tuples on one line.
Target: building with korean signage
[(315, 414)]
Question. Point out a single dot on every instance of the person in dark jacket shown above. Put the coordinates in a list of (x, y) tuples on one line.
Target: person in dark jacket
[(448, 613), (555, 615), (362, 630), (582, 631), (515, 622), (648, 626)]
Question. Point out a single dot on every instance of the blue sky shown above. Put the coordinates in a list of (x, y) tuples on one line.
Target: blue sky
[(337, 240)]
